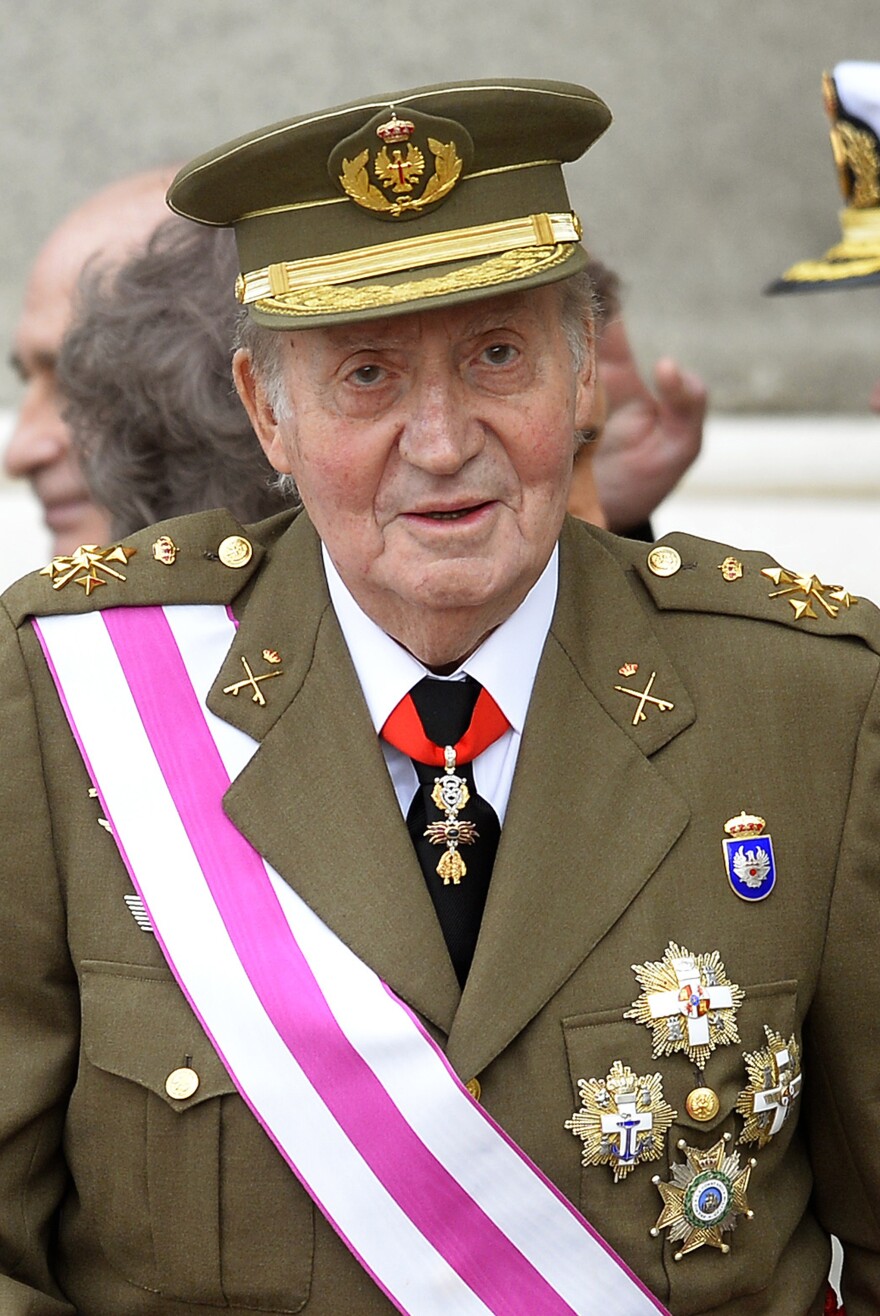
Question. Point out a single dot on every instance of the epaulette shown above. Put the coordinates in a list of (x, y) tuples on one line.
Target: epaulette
[(682, 572), (205, 557)]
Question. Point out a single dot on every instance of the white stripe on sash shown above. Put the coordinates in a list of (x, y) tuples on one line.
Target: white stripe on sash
[(440, 1207)]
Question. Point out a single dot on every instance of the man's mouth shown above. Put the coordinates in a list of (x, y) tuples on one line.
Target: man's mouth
[(453, 513)]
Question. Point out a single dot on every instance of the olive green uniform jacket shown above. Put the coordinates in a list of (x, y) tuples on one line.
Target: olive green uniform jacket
[(118, 1200)]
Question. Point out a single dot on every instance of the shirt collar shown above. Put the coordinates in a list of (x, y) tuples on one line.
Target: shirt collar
[(506, 663)]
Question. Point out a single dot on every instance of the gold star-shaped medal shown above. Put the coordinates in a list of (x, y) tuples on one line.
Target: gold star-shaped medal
[(704, 1198), (831, 598), (688, 1002), (622, 1121), (89, 560), (774, 1086)]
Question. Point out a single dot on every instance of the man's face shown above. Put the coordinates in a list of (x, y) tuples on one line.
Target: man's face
[(39, 449), (107, 226), (875, 397), (433, 452)]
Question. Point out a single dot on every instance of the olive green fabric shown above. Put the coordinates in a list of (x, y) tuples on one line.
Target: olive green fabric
[(117, 1198), (484, 153)]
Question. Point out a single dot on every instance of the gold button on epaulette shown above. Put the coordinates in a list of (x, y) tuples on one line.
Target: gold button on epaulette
[(474, 1088), (181, 1084), (235, 551), (664, 561)]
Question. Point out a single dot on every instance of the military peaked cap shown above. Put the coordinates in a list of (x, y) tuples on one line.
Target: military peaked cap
[(419, 198)]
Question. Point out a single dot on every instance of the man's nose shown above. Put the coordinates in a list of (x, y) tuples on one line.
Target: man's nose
[(441, 432), (39, 436)]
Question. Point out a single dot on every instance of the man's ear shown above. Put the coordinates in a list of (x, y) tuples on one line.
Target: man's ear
[(260, 411)]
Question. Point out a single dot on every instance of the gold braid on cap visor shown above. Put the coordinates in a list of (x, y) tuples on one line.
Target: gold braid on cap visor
[(858, 254), (517, 248)]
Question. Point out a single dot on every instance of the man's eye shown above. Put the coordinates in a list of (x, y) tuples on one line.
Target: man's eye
[(367, 374), (500, 354)]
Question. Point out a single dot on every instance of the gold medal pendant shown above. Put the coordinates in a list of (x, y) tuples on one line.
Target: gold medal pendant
[(450, 795)]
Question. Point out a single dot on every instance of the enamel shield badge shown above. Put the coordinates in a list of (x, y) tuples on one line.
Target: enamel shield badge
[(748, 856)]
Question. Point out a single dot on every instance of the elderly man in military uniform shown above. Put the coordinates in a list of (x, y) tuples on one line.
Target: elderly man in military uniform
[(426, 901)]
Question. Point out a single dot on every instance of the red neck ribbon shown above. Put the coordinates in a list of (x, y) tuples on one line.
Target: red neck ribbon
[(404, 731)]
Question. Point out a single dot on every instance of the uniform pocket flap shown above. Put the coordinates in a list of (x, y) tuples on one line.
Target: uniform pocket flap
[(138, 1025)]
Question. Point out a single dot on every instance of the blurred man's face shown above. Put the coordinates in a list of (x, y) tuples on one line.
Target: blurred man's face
[(107, 226), (875, 397)]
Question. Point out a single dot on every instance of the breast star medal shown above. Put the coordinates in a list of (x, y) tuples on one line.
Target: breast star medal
[(623, 1120), (748, 856), (704, 1198), (774, 1086), (450, 795), (688, 1002)]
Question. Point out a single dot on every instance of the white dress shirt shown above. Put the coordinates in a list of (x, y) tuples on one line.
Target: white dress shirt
[(505, 664)]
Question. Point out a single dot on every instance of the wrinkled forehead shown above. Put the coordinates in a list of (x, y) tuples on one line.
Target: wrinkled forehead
[(533, 309)]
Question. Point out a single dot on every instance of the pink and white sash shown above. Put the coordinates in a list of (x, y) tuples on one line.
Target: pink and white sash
[(445, 1213)]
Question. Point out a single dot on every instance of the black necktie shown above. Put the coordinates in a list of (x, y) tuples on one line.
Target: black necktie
[(445, 709)]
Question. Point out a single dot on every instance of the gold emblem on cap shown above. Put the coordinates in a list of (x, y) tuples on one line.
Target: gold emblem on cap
[(400, 173), (90, 560), (165, 550), (829, 597), (704, 1198), (645, 697), (622, 1121), (181, 1084), (664, 561), (235, 551), (731, 568), (688, 1002), (702, 1104)]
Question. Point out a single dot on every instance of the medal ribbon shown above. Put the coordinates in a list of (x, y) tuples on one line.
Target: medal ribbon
[(403, 729), (443, 1211)]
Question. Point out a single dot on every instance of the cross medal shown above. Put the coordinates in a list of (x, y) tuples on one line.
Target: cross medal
[(450, 795)]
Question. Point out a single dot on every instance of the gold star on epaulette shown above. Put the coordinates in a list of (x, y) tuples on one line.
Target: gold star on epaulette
[(90, 560), (813, 590)]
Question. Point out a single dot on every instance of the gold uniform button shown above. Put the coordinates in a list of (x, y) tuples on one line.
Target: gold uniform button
[(664, 561), (702, 1104), (473, 1087), (236, 551), (181, 1084)]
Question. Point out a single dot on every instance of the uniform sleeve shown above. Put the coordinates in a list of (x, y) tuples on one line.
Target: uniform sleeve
[(842, 1054), (39, 1014)]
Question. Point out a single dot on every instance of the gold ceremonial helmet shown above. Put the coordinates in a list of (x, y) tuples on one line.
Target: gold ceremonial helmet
[(852, 101), (420, 198)]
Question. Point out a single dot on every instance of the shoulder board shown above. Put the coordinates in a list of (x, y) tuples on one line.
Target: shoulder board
[(207, 557), (684, 573)]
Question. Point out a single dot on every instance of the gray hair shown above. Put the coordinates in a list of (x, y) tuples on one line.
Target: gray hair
[(579, 310), (145, 374)]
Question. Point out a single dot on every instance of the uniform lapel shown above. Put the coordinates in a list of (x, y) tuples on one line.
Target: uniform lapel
[(316, 799), (589, 819)]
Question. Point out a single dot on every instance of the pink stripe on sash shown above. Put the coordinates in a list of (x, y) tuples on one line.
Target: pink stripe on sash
[(439, 1207)]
